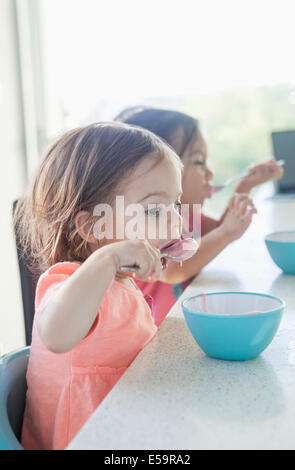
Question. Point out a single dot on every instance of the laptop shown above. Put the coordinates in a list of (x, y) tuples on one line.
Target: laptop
[(284, 149)]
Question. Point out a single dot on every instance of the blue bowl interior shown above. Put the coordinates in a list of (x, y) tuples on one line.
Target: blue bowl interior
[(232, 304)]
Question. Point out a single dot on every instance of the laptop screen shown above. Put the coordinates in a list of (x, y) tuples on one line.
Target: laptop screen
[(284, 149)]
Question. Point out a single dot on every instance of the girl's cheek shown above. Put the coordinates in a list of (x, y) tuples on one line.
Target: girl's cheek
[(152, 230), (193, 191)]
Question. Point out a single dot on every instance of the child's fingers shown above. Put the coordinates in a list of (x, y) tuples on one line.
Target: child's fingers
[(261, 171), (245, 205), (232, 202), (156, 263), (276, 170), (145, 260), (144, 267), (150, 266), (240, 199), (248, 215), (269, 169), (241, 208), (241, 204)]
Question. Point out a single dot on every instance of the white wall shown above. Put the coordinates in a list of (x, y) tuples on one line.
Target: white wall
[(13, 171)]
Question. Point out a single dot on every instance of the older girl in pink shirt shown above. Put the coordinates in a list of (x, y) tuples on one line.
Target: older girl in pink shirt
[(184, 134)]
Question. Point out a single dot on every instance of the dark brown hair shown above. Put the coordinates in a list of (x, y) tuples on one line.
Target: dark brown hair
[(162, 122), (83, 168)]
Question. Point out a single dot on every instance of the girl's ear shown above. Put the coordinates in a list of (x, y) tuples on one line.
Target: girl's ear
[(84, 222)]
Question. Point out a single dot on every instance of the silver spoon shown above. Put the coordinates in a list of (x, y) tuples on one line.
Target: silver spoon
[(216, 189)]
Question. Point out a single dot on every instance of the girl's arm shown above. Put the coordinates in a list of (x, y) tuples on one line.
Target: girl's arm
[(236, 222), (208, 224), (69, 314)]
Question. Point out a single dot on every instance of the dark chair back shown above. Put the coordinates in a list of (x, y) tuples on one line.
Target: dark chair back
[(28, 288)]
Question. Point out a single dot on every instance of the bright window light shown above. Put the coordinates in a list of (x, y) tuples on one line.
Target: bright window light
[(127, 50)]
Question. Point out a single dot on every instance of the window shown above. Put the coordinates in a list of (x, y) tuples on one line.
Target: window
[(228, 63)]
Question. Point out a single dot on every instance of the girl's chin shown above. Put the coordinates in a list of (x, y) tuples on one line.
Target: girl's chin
[(201, 201), (198, 201), (202, 198)]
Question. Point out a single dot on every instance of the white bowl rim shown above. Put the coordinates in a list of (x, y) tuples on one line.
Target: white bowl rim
[(266, 238), (242, 315)]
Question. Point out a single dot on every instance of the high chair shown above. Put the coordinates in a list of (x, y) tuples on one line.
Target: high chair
[(13, 386)]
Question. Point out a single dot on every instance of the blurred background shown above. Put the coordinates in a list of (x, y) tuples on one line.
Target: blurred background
[(64, 63)]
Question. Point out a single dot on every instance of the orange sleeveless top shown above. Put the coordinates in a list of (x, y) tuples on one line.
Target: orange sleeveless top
[(64, 389)]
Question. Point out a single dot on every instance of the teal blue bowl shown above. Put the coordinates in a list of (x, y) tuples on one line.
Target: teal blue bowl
[(281, 247), (234, 326)]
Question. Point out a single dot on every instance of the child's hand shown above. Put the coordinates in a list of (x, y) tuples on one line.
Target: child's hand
[(238, 216), (138, 253), (261, 173)]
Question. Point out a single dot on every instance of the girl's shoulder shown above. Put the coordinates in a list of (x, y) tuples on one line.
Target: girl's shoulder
[(52, 278), (64, 267)]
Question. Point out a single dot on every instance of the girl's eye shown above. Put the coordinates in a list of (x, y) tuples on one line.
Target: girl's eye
[(198, 162), (155, 211)]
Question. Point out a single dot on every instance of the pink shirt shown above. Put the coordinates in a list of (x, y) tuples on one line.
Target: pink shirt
[(64, 389), (162, 296)]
